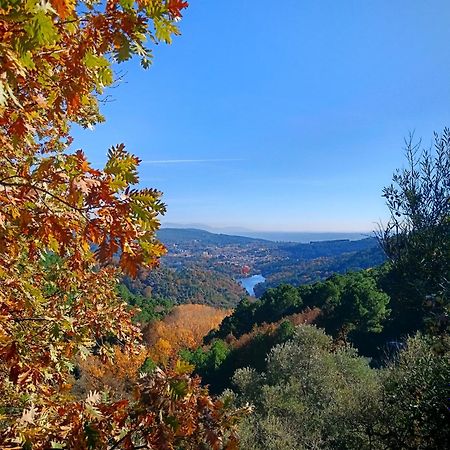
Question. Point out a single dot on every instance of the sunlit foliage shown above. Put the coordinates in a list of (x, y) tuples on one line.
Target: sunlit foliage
[(183, 328), (416, 238), (316, 395), (67, 231)]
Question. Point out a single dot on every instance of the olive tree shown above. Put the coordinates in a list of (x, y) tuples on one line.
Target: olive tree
[(416, 239)]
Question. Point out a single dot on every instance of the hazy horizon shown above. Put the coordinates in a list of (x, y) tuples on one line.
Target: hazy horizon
[(236, 229), (274, 235)]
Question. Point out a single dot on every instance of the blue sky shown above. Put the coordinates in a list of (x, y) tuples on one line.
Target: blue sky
[(287, 115)]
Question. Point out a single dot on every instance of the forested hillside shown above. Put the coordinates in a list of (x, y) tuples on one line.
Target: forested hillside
[(187, 285), (300, 269), (204, 268)]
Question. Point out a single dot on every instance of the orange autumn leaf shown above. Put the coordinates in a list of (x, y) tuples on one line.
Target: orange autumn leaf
[(64, 8)]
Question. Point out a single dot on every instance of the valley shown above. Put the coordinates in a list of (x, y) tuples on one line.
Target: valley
[(208, 268)]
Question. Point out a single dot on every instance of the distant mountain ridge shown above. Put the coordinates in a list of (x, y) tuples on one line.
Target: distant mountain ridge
[(181, 235), (304, 237)]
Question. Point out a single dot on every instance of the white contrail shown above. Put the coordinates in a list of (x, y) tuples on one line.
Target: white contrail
[(187, 161)]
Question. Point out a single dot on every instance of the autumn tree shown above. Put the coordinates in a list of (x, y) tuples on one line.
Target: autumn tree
[(116, 376), (183, 328), (61, 223)]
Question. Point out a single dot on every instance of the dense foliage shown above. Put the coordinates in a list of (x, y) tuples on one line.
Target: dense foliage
[(309, 396), (58, 300), (414, 409), (73, 370), (348, 303), (182, 328), (417, 237), (314, 395), (217, 362), (145, 309), (187, 285)]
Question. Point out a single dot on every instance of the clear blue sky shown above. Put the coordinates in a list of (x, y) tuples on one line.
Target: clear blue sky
[(287, 115)]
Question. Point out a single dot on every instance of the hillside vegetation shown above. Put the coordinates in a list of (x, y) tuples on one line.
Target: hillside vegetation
[(187, 285)]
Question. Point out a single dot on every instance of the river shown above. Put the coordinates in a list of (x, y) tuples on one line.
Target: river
[(250, 282)]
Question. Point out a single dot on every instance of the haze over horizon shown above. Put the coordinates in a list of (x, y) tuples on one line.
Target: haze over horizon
[(289, 118), (274, 235), (217, 228)]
